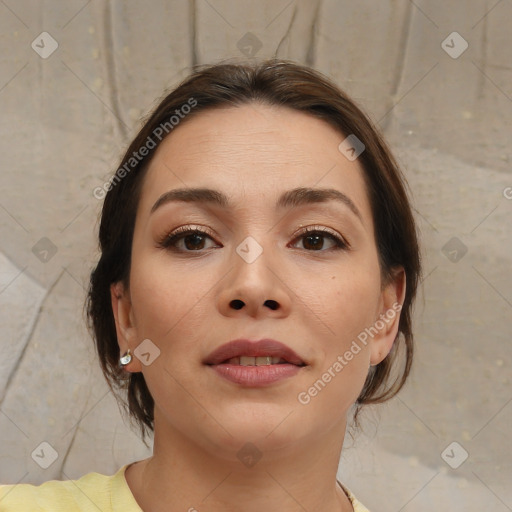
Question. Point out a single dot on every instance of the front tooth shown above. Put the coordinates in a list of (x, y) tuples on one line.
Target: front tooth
[(247, 361), (263, 360)]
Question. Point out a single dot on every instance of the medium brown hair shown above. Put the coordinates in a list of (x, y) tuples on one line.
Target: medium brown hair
[(272, 82)]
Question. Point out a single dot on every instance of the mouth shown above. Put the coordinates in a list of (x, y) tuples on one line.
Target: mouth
[(255, 363), (244, 352)]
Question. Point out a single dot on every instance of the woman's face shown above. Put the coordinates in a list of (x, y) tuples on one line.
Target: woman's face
[(324, 288)]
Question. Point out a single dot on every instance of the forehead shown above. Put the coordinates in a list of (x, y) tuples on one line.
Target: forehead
[(253, 152)]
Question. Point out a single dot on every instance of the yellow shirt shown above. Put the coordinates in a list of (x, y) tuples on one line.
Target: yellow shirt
[(90, 493)]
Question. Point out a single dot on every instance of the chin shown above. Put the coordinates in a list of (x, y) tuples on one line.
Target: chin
[(266, 426)]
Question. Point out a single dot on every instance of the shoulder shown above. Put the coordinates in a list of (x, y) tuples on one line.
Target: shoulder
[(92, 492)]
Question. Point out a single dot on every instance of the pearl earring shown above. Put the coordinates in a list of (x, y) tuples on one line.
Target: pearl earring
[(125, 358)]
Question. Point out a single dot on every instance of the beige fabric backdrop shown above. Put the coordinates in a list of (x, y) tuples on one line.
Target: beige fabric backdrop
[(445, 108)]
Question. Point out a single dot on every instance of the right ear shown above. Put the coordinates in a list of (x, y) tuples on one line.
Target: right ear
[(125, 327)]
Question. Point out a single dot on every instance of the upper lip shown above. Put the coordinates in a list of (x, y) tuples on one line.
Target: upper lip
[(243, 347)]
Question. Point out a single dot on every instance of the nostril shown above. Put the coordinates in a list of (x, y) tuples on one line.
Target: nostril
[(237, 304), (272, 304)]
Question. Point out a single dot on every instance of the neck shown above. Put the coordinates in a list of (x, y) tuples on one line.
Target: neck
[(182, 475)]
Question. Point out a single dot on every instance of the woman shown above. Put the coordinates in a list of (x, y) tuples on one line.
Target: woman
[(259, 262)]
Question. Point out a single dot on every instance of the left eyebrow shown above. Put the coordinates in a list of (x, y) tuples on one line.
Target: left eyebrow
[(289, 199), (300, 196)]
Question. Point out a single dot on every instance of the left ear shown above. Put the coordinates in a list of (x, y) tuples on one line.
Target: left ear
[(386, 324)]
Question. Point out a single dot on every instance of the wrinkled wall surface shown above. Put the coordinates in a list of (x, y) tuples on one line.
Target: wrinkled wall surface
[(444, 102)]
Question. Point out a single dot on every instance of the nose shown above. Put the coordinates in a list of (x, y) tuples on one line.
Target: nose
[(257, 288)]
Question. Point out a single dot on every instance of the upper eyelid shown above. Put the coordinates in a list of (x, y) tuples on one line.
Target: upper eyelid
[(316, 227), (183, 231)]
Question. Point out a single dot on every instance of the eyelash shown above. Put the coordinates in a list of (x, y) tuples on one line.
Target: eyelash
[(169, 241)]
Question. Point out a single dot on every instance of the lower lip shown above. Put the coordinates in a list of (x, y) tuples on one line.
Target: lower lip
[(256, 376)]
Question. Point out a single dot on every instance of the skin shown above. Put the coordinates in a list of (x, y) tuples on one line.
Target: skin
[(182, 303)]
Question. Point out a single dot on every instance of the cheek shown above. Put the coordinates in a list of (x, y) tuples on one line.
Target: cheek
[(350, 302), (342, 362), (349, 305), (163, 297)]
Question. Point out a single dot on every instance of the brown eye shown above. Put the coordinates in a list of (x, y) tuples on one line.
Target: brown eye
[(193, 241), (185, 240), (314, 240)]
